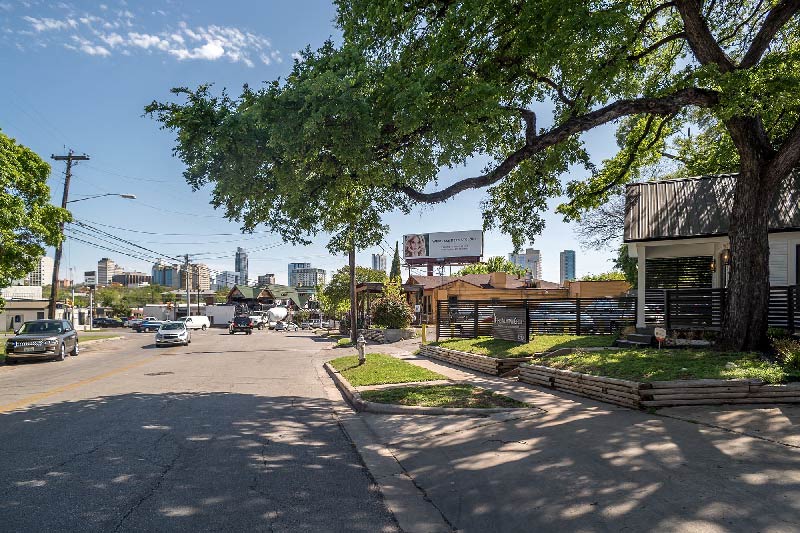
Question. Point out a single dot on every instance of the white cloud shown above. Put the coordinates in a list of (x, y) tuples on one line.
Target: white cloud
[(297, 57), (99, 35), (5, 6)]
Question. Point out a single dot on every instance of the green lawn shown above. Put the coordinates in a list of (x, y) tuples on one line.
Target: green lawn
[(668, 364), (441, 396), (541, 343), (344, 342), (381, 369)]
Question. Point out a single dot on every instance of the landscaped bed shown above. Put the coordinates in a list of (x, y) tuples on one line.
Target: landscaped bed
[(651, 364), (499, 348), (381, 369), (442, 396)]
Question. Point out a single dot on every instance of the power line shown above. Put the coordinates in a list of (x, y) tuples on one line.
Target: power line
[(87, 226), (171, 234)]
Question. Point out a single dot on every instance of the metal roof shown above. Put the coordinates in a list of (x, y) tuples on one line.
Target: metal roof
[(698, 207)]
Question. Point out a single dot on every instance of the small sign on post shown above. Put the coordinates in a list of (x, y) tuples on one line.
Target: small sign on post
[(660, 334), (509, 324)]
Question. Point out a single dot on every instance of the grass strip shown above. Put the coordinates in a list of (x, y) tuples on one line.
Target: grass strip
[(501, 349), (650, 364), (441, 396), (380, 369)]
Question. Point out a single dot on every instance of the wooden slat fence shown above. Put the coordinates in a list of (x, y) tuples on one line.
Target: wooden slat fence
[(575, 316), (705, 308)]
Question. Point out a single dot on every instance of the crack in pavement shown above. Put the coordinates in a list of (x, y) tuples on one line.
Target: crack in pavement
[(272, 516), (154, 487), (729, 430)]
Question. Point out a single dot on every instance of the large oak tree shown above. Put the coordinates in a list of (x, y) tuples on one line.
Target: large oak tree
[(420, 85)]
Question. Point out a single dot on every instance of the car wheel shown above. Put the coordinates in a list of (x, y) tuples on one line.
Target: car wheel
[(62, 353), (75, 350), (204, 327)]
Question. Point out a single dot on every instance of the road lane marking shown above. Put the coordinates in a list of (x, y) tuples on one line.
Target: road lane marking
[(24, 402)]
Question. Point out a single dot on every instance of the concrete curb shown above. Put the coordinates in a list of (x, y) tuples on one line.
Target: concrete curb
[(354, 399)]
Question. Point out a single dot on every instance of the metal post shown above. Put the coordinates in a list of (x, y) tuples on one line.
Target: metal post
[(667, 310), (475, 320), (527, 322), (91, 307)]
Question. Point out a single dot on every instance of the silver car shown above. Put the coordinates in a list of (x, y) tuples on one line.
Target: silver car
[(42, 339), (171, 333)]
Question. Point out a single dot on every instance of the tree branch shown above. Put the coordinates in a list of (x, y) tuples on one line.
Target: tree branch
[(664, 105), (788, 157), (650, 16), (556, 87), (656, 45), (705, 47), (530, 122), (778, 16)]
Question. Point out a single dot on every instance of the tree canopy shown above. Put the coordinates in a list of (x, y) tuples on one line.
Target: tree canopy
[(335, 296), (493, 264), (28, 221), (415, 88), (611, 275)]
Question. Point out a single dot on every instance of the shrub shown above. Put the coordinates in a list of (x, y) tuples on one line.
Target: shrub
[(787, 351), (391, 310)]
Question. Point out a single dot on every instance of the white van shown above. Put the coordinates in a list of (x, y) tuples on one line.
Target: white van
[(196, 322)]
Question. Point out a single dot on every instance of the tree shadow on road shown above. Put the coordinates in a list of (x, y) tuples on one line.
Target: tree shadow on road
[(183, 461)]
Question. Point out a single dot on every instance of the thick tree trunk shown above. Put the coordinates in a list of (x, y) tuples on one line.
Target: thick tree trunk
[(745, 324)]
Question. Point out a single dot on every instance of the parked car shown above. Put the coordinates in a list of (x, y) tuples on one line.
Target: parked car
[(147, 326), (171, 333), (42, 339), (106, 322), (306, 325), (258, 319), (196, 322), (315, 322), (286, 326), (241, 323), (136, 321)]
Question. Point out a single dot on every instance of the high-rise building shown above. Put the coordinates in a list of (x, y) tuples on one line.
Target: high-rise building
[(42, 274), (227, 279), (308, 277), (241, 265), (199, 277), (567, 261), (266, 279), (531, 261), (132, 279), (106, 268), (166, 275), (292, 268), (379, 262)]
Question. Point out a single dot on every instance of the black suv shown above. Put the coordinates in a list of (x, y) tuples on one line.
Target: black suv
[(241, 323)]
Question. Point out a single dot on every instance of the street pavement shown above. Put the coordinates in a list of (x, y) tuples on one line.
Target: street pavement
[(246, 433), (233, 433)]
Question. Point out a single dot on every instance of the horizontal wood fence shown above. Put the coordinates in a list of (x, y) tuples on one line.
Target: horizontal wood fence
[(705, 308), (574, 316)]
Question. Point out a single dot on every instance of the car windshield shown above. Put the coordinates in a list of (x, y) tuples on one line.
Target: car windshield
[(172, 325), (41, 327), (241, 320)]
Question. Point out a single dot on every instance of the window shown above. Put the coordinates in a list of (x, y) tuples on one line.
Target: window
[(39, 315)]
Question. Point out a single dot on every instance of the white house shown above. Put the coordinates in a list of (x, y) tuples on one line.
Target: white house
[(678, 231)]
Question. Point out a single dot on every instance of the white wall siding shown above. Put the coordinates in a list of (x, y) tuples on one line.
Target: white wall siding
[(778, 263)]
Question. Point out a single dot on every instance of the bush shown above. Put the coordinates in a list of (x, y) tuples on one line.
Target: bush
[(392, 311), (787, 351)]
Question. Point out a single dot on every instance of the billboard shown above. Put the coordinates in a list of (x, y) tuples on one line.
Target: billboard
[(443, 245)]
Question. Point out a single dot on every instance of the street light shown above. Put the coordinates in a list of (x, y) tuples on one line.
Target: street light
[(126, 196)]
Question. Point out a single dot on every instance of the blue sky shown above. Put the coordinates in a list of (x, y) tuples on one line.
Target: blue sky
[(80, 73)]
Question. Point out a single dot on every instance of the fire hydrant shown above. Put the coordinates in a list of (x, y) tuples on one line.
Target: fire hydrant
[(360, 343)]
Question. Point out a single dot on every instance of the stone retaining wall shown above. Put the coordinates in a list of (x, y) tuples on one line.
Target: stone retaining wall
[(611, 390), (488, 365)]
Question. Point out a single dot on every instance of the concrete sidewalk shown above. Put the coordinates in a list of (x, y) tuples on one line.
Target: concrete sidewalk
[(577, 464)]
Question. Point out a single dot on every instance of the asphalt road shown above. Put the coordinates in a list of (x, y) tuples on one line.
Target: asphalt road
[(232, 433)]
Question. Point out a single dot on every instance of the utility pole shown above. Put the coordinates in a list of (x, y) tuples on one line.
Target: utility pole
[(353, 296), (188, 293), (69, 158)]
